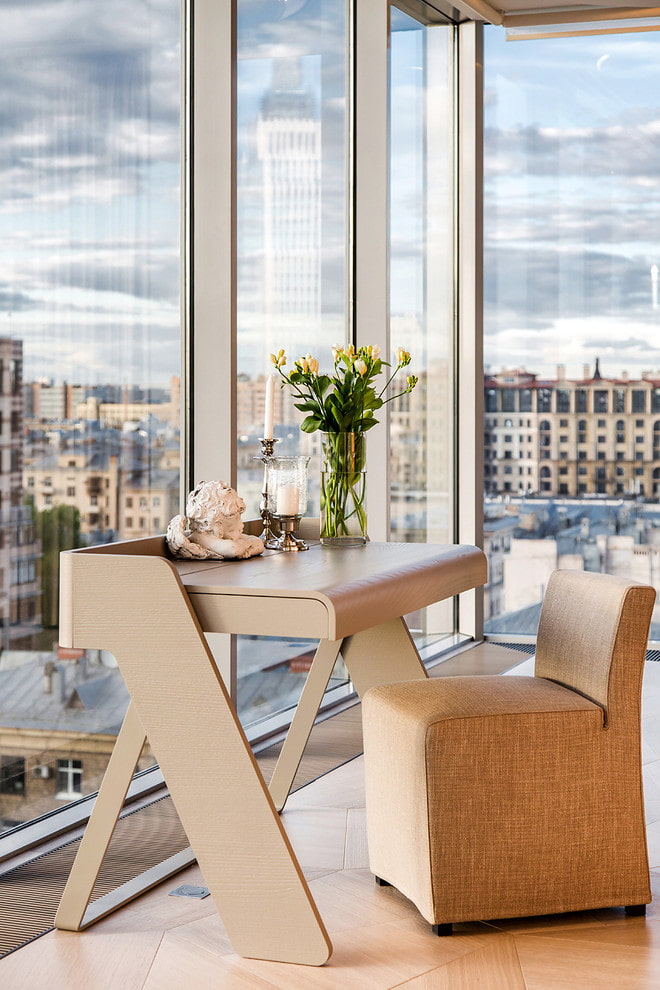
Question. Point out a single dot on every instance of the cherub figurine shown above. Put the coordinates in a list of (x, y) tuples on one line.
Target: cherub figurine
[(212, 528)]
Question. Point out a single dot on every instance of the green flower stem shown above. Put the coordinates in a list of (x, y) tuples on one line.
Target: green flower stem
[(343, 511)]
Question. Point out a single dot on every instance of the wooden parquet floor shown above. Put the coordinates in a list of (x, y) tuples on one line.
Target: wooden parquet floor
[(380, 942)]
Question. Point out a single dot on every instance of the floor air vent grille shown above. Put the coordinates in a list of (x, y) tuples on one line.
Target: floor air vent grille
[(30, 893), (529, 648)]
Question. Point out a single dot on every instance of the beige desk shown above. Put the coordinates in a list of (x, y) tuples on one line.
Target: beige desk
[(151, 613)]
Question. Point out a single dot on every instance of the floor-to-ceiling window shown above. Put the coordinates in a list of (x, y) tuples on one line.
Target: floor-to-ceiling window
[(572, 388), (421, 285), (292, 249), (89, 355)]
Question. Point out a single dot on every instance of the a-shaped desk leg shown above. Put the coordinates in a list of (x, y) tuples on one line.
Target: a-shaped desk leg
[(381, 655), (135, 607)]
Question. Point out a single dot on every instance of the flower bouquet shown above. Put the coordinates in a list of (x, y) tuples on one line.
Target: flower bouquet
[(342, 405)]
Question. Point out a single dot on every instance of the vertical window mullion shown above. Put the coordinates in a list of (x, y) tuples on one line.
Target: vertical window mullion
[(371, 227), (469, 465)]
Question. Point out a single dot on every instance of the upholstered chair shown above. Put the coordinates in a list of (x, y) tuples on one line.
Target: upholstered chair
[(506, 796)]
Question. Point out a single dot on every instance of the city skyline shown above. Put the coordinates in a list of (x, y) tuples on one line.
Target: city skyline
[(572, 173)]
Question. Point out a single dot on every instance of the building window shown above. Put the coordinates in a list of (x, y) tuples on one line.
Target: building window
[(543, 400), (600, 400), (69, 778), (508, 400), (619, 400), (638, 400), (581, 400), (12, 775), (563, 400)]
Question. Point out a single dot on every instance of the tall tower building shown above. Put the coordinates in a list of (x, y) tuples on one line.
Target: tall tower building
[(289, 151)]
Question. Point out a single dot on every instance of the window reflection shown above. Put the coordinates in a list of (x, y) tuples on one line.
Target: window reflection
[(89, 357), (421, 288), (570, 269), (291, 264)]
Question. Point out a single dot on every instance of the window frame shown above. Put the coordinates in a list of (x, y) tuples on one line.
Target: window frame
[(209, 267)]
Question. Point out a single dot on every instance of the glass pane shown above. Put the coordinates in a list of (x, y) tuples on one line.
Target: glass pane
[(571, 314), (292, 236), (421, 290), (89, 356)]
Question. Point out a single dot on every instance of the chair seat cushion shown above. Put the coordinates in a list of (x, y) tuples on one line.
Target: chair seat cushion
[(440, 699)]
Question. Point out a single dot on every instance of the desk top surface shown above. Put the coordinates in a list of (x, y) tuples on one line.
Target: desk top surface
[(323, 571), (357, 587), (335, 591)]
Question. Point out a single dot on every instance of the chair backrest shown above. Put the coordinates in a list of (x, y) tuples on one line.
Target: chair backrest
[(592, 637)]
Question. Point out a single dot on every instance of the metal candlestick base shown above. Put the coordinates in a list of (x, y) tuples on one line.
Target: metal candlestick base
[(267, 535), (287, 541)]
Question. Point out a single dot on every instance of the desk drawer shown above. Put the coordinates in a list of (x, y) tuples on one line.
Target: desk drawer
[(305, 618)]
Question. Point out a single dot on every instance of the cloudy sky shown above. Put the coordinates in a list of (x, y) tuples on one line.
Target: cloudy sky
[(89, 175), (572, 202)]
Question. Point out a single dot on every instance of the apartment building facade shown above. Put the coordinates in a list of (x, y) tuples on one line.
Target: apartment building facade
[(20, 612), (586, 437)]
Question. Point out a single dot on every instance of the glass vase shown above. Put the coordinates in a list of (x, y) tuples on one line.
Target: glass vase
[(343, 490)]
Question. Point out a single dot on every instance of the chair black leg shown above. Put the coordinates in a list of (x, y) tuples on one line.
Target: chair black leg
[(382, 883), (444, 929), (635, 910)]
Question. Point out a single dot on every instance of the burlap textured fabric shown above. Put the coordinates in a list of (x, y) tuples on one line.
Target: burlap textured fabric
[(491, 797)]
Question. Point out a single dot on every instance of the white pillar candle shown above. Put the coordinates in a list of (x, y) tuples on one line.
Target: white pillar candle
[(287, 500), (269, 407)]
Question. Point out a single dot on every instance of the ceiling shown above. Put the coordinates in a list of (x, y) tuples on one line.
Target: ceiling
[(525, 13)]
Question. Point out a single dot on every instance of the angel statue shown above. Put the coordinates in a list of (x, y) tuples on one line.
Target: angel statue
[(212, 528)]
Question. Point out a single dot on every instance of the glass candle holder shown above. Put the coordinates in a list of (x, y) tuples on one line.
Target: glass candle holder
[(287, 499)]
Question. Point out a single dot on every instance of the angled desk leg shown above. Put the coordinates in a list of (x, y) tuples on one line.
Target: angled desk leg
[(97, 835), (303, 720), (382, 655), (136, 607)]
